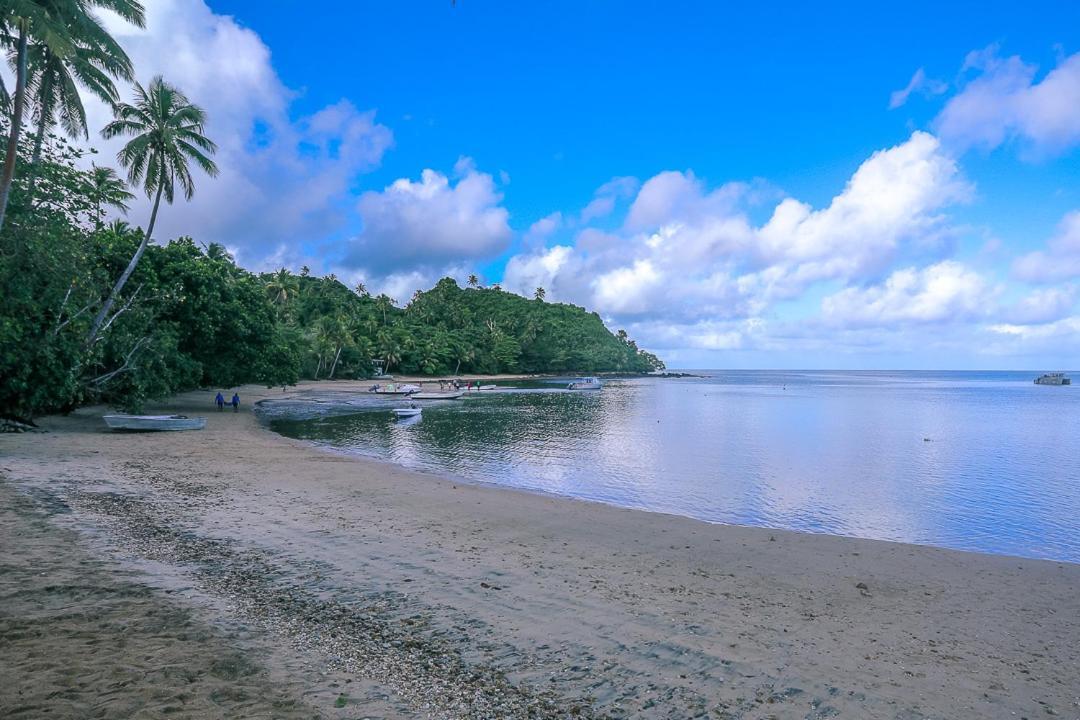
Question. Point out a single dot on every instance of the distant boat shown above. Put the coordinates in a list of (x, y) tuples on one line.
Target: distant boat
[(437, 395), (407, 412), (155, 422), (481, 387), (585, 383), (394, 389), (1053, 379)]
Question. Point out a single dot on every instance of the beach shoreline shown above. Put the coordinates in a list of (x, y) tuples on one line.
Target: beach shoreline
[(531, 605)]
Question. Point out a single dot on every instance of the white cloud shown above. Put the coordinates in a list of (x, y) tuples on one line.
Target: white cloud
[(1060, 260), (894, 197), (689, 268), (1044, 305), (1005, 102), (430, 222), (919, 83), (282, 180), (543, 228), (947, 292), (605, 197)]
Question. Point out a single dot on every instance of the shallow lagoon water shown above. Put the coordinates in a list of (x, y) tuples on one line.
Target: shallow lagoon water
[(976, 461)]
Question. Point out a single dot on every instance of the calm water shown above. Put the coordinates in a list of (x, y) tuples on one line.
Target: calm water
[(830, 452)]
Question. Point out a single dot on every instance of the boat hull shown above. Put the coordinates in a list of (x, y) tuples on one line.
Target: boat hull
[(154, 423), (436, 396)]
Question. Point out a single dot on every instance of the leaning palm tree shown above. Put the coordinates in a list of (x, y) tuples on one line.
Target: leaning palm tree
[(168, 135), (473, 281), (107, 188), (59, 25)]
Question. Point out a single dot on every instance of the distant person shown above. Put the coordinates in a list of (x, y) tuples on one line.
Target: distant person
[(235, 402), (220, 400)]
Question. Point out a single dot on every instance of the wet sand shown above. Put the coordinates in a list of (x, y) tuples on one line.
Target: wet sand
[(347, 588)]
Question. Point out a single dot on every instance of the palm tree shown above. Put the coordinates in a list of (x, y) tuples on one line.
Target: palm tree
[(540, 294), (282, 286), (361, 289), (61, 26), (168, 134), (107, 188), (473, 281), (55, 80)]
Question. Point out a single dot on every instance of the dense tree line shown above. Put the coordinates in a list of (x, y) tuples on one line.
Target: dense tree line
[(94, 312)]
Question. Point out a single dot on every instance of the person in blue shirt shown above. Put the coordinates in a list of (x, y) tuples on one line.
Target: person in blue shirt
[(235, 402), (220, 400)]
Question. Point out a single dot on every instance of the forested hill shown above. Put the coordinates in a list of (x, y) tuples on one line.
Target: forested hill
[(190, 317), (447, 329)]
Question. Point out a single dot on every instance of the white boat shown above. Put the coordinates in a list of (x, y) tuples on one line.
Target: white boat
[(407, 412), (155, 422), (1053, 379), (478, 388), (437, 395), (585, 383), (394, 389)]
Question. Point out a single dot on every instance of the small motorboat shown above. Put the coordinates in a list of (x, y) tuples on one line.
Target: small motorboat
[(158, 423), (585, 383), (394, 389), (407, 412), (478, 388), (437, 395)]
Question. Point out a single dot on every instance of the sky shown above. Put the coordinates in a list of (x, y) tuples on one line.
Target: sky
[(853, 185)]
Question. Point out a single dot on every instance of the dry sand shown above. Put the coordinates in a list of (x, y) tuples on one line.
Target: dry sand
[(235, 573)]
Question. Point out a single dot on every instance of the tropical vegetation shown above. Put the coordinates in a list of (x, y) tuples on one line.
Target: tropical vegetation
[(94, 312)]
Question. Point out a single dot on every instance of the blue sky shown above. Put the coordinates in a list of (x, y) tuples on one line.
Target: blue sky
[(778, 200)]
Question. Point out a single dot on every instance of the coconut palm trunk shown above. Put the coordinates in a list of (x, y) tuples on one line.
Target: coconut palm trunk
[(39, 137), (16, 126), (95, 328)]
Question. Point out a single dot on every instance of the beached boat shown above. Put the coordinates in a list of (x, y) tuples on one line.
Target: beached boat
[(437, 395), (1053, 379), (478, 388), (155, 422), (394, 389), (585, 383), (407, 412)]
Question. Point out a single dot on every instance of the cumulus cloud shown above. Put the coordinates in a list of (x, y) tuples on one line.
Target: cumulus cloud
[(945, 292), (920, 84), (688, 268), (543, 228), (1044, 305), (1060, 260), (1004, 101), (605, 197), (282, 180), (430, 222)]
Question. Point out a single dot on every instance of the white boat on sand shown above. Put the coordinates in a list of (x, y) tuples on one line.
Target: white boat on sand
[(585, 383), (437, 395), (478, 388), (155, 422)]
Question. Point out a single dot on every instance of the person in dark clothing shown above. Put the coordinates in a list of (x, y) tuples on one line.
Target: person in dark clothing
[(235, 402), (220, 400)]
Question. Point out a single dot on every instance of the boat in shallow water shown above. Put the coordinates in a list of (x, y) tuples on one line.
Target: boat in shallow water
[(437, 395), (585, 383), (407, 412), (1053, 379), (158, 423)]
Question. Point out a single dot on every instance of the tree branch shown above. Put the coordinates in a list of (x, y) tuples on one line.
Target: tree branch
[(125, 306), (126, 367)]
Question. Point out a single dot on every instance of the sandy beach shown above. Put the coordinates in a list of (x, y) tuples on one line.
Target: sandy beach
[(235, 573)]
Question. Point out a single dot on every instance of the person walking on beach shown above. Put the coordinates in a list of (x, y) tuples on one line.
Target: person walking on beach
[(235, 402), (220, 400)]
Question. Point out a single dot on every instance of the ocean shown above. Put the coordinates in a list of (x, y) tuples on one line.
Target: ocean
[(984, 461)]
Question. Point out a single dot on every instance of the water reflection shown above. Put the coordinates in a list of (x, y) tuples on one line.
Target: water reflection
[(983, 461)]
